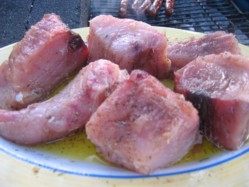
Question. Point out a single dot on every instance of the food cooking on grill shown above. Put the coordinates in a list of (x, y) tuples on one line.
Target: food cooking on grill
[(124, 8), (143, 125), (181, 53), (218, 86), (67, 111), (128, 43), (134, 120), (169, 7), (48, 54), (150, 7), (155, 7)]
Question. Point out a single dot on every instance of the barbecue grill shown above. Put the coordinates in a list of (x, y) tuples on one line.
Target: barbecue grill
[(196, 15), (204, 16)]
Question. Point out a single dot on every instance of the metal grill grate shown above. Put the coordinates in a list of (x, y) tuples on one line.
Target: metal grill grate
[(196, 15)]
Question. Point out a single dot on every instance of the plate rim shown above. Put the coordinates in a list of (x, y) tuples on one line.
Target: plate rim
[(239, 153), (133, 175)]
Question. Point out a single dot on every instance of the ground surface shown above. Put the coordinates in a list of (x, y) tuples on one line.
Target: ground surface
[(16, 16)]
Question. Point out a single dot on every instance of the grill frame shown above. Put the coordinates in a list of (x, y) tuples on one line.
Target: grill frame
[(204, 16)]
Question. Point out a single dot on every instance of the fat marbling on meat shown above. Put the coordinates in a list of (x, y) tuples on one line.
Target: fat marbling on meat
[(218, 86), (143, 125), (130, 44), (48, 53), (65, 112), (181, 53)]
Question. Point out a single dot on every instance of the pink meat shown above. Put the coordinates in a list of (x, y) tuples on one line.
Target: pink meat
[(128, 43), (218, 86), (48, 53), (143, 125), (182, 53), (65, 112)]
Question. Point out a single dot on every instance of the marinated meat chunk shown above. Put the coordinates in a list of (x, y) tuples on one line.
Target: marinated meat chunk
[(218, 86), (182, 53), (67, 111), (48, 53), (128, 43), (143, 125)]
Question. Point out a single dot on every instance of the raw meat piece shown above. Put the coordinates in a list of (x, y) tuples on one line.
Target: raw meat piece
[(67, 111), (143, 125), (128, 43), (218, 86), (182, 53), (47, 55)]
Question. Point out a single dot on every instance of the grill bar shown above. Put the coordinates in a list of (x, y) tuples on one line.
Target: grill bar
[(196, 15)]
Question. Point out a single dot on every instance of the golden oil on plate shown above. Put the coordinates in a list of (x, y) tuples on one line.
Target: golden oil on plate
[(73, 161)]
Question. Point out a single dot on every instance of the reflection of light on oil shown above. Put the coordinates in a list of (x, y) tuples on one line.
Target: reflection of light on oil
[(200, 152), (95, 159), (78, 148), (168, 83), (75, 147)]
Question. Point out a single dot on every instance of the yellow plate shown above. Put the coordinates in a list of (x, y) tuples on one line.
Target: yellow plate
[(24, 166)]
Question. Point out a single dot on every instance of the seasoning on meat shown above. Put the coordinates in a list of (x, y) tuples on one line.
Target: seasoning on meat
[(40, 62), (218, 86), (130, 44), (65, 112), (143, 125)]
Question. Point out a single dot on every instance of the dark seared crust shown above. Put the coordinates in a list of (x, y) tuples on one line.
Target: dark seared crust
[(205, 108), (39, 63), (169, 7), (75, 41), (155, 7)]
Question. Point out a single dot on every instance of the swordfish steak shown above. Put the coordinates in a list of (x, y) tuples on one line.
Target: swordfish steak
[(48, 53), (218, 86), (65, 112), (181, 53), (143, 125), (128, 43)]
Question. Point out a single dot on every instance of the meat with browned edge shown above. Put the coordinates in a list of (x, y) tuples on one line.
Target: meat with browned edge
[(218, 86), (67, 111), (128, 43), (181, 53), (155, 7), (143, 125), (48, 53), (169, 7)]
